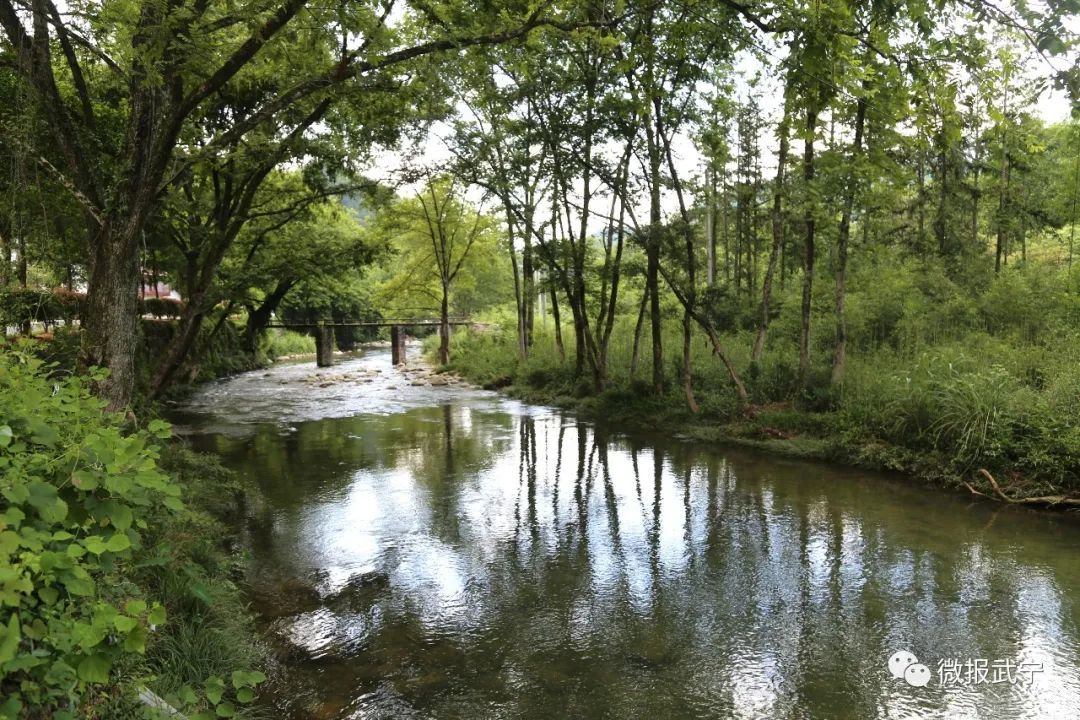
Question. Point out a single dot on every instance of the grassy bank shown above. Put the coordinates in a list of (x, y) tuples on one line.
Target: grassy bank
[(937, 385), (116, 572)]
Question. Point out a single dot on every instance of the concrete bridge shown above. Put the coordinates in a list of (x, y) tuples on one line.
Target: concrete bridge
[(324, 335)]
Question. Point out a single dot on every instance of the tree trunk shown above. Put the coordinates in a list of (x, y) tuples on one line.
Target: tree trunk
[(777, 244), (179, 348), (528, 282), (941, 227), (110, 322), (840, 356), (710, 227), (259, 318), (519, 296), (687, 370), (1003, 188), (5, 256), (444, 326), (21, 270), (808, 250), (652, 273), (557, 322), (637, 333)]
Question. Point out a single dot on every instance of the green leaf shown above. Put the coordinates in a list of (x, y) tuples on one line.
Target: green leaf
[(159, 428), (9, 641), (95, 668), (125, 624), (187, 695), (135, 607), (118, 543), (245, 695), (78, 585), (10, 708), (1052, 44), (226, 710), (9, 542), (157, 615), (44, 434), (48, 595), (44, 499), (84, 480), (5, 435), (121, 516), (136, 640), (242, 678), (215, 689), (95, 544)]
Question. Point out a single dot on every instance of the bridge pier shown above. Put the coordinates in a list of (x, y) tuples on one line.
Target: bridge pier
[(324, 346), (397, 345)]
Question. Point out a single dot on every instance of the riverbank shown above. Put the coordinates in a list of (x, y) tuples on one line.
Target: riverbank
[(777, 430), (945, 425)]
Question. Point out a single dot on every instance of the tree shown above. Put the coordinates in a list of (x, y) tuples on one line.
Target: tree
[(159, 67), (438, 240)]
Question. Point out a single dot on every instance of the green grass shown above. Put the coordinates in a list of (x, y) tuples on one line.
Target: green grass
[(280, 342)]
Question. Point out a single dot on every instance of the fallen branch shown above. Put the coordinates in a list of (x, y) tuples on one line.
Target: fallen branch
[(1048, 500)]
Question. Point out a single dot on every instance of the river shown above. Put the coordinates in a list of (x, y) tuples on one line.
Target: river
[(444, 552)]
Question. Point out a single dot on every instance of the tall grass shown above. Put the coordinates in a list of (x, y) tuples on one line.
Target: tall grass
[(280, 342)]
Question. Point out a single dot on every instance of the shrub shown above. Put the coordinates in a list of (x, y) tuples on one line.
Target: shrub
[(85, 516), (161, 307), (77, 493)]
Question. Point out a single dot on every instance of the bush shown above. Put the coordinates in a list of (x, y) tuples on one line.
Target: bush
[(78, 494), (161, 307), (82, 507), (23, 305)]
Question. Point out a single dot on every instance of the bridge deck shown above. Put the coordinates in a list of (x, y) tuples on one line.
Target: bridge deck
[(384, 323)]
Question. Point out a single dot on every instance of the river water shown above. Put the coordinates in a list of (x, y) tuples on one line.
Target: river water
[(442, 552)]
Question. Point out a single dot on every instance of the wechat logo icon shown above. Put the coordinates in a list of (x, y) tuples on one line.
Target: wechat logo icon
[(904, 665)]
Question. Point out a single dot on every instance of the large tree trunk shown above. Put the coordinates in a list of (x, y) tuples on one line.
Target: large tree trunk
[(110, 322), (777, 244), (808, 250), (259, 317), (840, 356), (179, 347)]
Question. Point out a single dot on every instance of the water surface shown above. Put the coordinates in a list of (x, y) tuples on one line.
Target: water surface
[(440, 552)]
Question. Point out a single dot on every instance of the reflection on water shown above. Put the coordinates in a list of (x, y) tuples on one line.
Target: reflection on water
[(475, 559)]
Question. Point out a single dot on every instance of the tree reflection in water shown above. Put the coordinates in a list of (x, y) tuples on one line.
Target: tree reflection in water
[(461, 562)]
